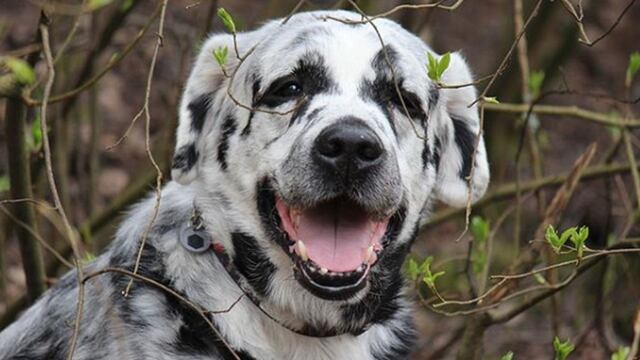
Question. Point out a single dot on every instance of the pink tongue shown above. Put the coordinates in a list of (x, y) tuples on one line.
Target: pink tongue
[(337, 236)]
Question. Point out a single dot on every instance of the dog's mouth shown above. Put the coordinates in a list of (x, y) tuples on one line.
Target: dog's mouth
[(333, 244)]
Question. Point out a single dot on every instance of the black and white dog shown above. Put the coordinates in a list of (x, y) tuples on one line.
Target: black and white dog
[(301, 176)]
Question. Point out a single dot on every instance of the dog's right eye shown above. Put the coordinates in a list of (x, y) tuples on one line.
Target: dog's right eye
[(290, 89), (281, 91)]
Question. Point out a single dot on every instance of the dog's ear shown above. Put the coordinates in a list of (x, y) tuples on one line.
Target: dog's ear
[(459, 134), (205, 81), (195, 108)]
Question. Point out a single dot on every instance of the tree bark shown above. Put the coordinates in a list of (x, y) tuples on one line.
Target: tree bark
[(20, 177)]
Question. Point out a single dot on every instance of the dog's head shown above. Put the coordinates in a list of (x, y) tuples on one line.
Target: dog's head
[(327, 148)]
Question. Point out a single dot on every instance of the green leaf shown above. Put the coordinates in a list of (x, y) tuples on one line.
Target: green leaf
[(479, 229), (5, 184), (578, 238), (536, 79), (97, 4), (21, 69), (220, 54), (621, 354), (551, 235), (429, 278), (437, 67), (562, 349), (491, 100), (227, 20), (426, 265), (632, 69), (540, 279), (36, 134), (432, 67), (126, 5), (443, 64), (479, 260), (507, 356), (614, 131), (412, 269)]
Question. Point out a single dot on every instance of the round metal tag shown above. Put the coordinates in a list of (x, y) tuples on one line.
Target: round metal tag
[(196, 241)]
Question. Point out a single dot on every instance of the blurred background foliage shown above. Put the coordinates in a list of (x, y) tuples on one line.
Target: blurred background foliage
[(97, 181)]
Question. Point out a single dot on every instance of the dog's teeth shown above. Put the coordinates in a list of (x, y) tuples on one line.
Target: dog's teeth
[(323, 271), (360, 268), (301, 250), (295, 219), (292, 248), (368, 254), (373, 258)]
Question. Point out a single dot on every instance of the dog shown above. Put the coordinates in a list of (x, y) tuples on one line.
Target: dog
[(303, 167)]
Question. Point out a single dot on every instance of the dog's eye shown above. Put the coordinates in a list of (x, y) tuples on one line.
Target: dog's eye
[(411, 102), (281, 91), (289, 90)]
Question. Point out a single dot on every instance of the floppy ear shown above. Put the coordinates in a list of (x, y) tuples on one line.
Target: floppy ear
[(195, 107), (461, 126), (205, 81)]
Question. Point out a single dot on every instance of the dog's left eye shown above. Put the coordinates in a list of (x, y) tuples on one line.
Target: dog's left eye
[(411, 102)]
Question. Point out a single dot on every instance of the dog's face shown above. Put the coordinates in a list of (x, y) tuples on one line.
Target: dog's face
[(327, 149)]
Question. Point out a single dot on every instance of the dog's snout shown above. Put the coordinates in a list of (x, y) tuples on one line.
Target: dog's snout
[(348, 146)]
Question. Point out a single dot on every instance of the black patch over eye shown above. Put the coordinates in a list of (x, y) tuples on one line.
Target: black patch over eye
[(384, 92), (282, 90), (411, 102)]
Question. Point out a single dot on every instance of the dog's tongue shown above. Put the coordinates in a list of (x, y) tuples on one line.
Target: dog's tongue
[(337, 235)]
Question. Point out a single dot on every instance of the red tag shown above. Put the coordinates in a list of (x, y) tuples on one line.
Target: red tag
[(219, 248)]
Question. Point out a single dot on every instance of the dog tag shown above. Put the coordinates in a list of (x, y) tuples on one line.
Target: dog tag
[(195, 240)]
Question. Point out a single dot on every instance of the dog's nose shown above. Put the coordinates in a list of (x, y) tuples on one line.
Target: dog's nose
[(348, 146)]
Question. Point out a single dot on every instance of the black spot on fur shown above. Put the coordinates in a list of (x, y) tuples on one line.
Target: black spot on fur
[(247, 128), (168, 220), (198, 109), (466, 144), (66, 284), (378, 91), (406, 337), (185, 157), (437, 150), (426, 155), (301, 109), (47, 345), (252, 263), (434, 96), (383, 58), (314, 113), (255, 89), (196, 337), (303, 37), (228, 128), (151, 266), (383, 91)]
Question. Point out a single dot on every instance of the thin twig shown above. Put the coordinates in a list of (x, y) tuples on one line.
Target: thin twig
[(115, 60), (35, 234), (572, 111), (147, 114), (46, 46), (505, 60)]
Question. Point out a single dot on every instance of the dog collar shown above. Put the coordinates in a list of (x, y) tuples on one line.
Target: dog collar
[(195, 238)]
